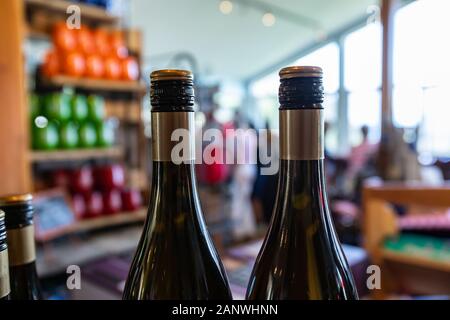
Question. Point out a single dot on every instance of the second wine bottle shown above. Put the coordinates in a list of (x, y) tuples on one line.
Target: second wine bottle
[(301, 257), (175, 258)]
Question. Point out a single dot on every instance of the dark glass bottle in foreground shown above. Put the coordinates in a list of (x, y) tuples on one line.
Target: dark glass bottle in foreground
[(301, 257), (175, 258), (4, 268), (21, 247)]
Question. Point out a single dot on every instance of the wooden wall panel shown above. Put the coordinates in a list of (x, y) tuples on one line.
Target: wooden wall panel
[(14, 165)]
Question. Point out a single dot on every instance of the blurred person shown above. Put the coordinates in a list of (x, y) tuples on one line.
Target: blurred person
[(213, 182), (265, 186), (361, 156)]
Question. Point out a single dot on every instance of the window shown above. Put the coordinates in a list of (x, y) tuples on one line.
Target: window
[(265, 90), (421, 69), (362, 71), (265, 93)]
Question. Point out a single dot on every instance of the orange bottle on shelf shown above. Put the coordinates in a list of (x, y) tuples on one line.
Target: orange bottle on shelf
[(117, 44), (130, 69), (52, 64), (64, 39), (95, 66), (101, 40), (74, 64), (113, 68), (85, 40)]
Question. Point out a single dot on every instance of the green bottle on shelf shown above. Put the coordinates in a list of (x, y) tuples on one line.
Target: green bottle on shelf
[(87, 135), (105, 134), (96, 108), (57, 107), (44, 134), (68, 135), (79, 108)]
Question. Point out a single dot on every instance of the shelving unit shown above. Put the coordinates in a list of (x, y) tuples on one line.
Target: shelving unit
[(88, 12), (39, 17), (97, 84), (75, 155), (33, 19)]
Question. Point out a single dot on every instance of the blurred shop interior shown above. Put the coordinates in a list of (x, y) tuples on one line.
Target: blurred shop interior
[(387, 131)]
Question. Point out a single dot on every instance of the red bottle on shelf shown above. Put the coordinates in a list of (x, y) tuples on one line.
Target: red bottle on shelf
[(79, 206), (60, 179), (94, 204), (131, 200), (81, 180), (112, 202), (109, 177)]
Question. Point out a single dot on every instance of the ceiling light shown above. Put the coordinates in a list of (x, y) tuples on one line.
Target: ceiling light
[(226, 7), (268, 19)]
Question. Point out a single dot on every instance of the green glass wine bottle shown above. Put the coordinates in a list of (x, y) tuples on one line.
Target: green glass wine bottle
[(21, 247), (175, 258), (301, 257)]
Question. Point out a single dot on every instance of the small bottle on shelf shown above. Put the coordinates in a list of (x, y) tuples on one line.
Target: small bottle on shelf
[(21, 247)]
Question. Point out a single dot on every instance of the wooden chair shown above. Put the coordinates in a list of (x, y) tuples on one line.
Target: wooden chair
[(402, 273)]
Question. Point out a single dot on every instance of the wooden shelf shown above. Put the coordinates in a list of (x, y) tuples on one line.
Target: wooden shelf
[(97, 84), (75, 155), (53, 258), (107, 221), (88, 12), (102, 222), (420, 261), (37, 34)]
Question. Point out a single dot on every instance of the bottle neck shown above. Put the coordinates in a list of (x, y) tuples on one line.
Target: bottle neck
[(20, 233), (173, 155), (173, 137), (301, 134), (21, 246), (302, 175)]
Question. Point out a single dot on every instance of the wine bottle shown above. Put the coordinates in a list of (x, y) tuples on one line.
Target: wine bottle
[(301, 257), (175, 258), (21, 247), (4, 268)]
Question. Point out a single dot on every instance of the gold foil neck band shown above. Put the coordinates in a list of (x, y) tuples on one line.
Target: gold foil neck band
[(171, 74), (301, 134), (4, 274), (21, 246), (177, 126), (300, 72)]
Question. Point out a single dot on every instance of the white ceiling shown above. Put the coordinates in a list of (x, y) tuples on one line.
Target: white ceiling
[(237, 45)]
